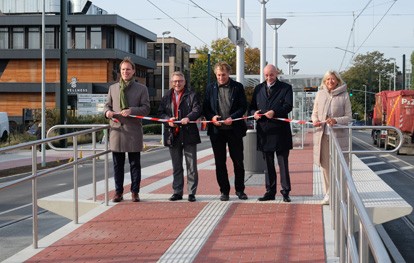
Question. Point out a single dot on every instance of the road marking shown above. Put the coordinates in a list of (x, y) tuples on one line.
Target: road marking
[(394, 161), (16, 208), (376, 163), (368, 157), (406, 168), (386, 171)]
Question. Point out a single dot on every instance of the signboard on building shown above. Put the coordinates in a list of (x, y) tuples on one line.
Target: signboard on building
[(90, 104)]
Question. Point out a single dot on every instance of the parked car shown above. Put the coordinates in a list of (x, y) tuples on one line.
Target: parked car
[(4, 126)]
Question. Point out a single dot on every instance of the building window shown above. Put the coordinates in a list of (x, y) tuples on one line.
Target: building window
[(142, 48), (131, 48), (96, 37), (69, 39), (49, 38), (110, 37), (4, 38), (80, 37), (34, 38), (18, 38), (158, 53)]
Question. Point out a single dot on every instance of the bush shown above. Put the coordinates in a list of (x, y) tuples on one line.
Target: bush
[(152, 128)]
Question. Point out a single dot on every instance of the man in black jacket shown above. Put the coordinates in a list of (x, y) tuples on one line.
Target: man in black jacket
[(225, 101), (181, 104), (273, 99)]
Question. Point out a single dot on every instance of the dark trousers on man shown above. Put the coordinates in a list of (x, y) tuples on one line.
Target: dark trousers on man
[(177, 152), (235, 145), (271, 177), (118, 159)]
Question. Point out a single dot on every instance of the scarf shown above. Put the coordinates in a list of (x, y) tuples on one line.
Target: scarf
[(176, 100), (122, 98)]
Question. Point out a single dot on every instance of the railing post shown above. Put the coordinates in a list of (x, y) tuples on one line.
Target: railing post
[(35, 228), (75, 180), (106, 169), (94, 166)]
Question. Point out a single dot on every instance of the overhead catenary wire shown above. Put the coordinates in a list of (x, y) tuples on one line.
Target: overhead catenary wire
[(369, 34), (197, 5), (165, 13)]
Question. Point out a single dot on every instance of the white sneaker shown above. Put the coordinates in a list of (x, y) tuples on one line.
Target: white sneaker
[(325, 200)]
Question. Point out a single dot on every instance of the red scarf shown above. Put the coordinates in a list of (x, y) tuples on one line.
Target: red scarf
[(176, 106)]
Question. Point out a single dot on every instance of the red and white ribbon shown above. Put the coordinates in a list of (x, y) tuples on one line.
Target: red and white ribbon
[(302, 122)]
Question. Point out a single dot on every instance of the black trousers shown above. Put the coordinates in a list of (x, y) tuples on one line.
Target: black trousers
[(118, 159), (235, 145), (271, 176)]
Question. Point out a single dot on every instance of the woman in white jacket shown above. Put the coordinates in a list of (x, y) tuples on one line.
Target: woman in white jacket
[(332, 106)]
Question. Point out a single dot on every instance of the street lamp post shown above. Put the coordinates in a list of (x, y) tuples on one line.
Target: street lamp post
[(292, 64), (289, 58), (263, 38), (162, 77), (275, 23)]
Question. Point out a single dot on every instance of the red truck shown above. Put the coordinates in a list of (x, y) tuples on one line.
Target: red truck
[(394, 108)]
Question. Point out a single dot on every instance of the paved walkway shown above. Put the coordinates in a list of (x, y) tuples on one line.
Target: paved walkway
[(157, 230)]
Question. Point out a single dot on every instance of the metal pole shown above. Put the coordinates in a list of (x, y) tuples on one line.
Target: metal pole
[(162, 78), (379, 82), (263, 39), (394, 75), (365, 107), (63, 66), (240, 43), (162, 83), (43, 121), (275, 47)]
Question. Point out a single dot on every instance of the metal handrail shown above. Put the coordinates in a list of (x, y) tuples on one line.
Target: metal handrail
[(347, 206), (89, 129), (376, 128)]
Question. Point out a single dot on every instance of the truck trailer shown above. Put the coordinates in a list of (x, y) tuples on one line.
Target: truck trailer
[(394, 108)]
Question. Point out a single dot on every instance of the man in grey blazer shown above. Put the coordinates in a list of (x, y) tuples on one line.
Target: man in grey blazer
[(127, 97)]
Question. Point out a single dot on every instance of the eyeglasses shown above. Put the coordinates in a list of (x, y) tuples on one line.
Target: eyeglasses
[(177, 81)]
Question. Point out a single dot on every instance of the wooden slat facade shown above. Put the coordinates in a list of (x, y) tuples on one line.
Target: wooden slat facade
[(14, 103), (30, 71)]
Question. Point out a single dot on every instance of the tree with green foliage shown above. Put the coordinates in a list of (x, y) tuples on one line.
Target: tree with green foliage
[(221, 50), (367, 70)]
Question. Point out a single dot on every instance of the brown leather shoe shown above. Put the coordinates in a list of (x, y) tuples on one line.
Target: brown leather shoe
[(117, 198), (135, 197)]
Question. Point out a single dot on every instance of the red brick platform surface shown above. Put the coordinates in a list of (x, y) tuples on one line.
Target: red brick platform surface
[(156, 230)]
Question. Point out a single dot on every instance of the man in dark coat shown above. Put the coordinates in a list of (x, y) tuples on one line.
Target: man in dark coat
[(225, 100), (181, 104), (273, 99), (127, 97)]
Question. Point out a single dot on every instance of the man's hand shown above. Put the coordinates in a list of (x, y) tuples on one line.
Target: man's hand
[(269, 114), (215, 120), (109, 114), (126, 112), (171, 123), (228, 121), (185, 121), (256, 115)]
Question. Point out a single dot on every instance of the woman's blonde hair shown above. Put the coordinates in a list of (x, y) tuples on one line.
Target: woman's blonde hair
[(329, 73)]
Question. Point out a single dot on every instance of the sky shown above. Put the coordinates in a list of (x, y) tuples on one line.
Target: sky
[(323, 34)]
